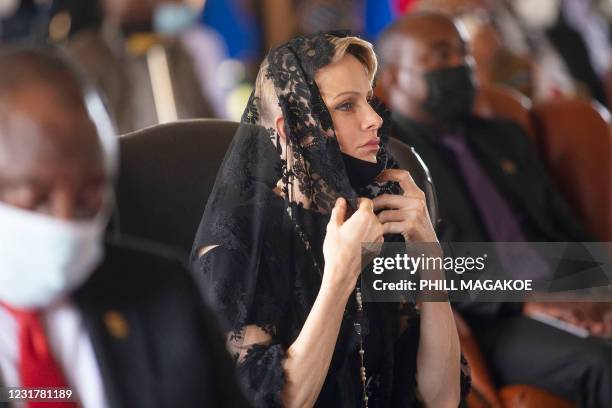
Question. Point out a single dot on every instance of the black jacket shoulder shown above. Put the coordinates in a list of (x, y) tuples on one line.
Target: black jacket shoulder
[(168, 349), (136, 266)]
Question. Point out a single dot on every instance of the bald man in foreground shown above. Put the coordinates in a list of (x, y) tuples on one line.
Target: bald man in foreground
[(102, 324), (491, 187)]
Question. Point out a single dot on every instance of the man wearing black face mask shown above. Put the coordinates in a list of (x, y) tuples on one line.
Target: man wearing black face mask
[(491, 187)]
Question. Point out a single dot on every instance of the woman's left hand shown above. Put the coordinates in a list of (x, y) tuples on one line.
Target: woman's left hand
[(438, 353), (405, 214)]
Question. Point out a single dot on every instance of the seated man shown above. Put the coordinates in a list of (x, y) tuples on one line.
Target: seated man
[(490, 187), (116, 325)]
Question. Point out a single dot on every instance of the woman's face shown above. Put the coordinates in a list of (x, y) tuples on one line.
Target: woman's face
[(346, 90)]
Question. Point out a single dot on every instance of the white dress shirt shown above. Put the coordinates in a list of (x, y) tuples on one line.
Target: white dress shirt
[(71, 347)]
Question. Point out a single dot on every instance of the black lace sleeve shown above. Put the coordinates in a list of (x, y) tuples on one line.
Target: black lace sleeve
[(242, 258), (262, 374), (251, 312)]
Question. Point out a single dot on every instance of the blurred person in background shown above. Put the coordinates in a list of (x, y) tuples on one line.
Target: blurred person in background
[(112, 322), (284, 19), (588, 19), (206, 47), (524, 27), (491, 187), (496, 64), (508, 50), (145, 68), (326, 15), (554, 23)]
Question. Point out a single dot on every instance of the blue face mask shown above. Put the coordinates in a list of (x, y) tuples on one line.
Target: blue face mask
[(172, 19)]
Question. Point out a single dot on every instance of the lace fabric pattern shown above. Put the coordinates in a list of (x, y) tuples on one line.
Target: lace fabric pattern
[(265, 220), (316, 167)]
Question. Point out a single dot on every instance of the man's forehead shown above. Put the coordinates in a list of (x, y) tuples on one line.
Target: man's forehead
[(30, 135), (46, 110), (428, 33)]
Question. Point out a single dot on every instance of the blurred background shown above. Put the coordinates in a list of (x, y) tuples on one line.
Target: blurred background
[(544, 49), (543, 64)]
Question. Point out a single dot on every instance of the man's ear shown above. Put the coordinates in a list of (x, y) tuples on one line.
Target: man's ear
[(279, 122), (388, 78), (384, 84)]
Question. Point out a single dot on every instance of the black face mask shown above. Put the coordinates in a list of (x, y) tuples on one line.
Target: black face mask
[(450, 94), (361, 172)]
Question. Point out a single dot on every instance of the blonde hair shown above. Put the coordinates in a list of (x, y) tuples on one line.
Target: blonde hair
[(267, 101)]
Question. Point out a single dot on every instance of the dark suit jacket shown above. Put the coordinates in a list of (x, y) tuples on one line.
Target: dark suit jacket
[(156, 343), (505, 153)]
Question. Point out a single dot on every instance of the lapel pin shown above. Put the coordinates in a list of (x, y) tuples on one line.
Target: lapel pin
[(116, 324), (508, 166)]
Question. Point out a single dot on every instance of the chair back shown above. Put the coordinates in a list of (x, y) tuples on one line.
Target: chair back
[(576, 144), (166, 174), (497, 101), (168, 171), (408, 159)]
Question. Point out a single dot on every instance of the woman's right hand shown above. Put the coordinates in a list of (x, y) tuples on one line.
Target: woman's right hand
[(342, 245), (305, 371)]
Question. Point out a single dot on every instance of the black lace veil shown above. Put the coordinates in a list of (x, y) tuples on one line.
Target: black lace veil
[(313, 161), (258, 250)]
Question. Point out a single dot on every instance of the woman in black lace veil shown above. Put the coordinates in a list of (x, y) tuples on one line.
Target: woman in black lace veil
[(278, 248)]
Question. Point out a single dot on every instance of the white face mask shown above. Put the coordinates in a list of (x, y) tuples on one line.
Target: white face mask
[(44, 258), (537, 13)]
